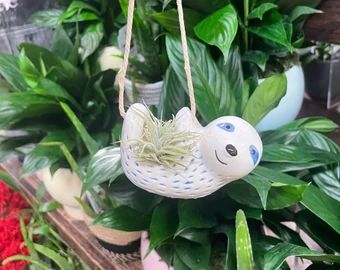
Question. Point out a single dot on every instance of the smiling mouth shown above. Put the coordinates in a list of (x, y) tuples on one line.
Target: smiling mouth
[(224, 163)]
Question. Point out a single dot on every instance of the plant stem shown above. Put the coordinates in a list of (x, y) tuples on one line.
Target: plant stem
[(246, 13)]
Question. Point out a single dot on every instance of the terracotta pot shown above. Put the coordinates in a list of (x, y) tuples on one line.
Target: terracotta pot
[(153, 261), (290, 105), (122, 247), (64, 186)]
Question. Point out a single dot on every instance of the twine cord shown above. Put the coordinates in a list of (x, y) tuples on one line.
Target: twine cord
[(123, 69)]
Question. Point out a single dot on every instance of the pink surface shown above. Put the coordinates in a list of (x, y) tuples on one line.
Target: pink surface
[(153, 261)]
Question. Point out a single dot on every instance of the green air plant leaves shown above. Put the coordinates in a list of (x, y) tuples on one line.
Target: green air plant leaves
[(104, 165), (219, 29), (265, 98), (276, 256), (244, 253), (212, 90)]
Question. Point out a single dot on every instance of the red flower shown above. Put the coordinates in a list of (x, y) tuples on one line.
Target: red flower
[(11, 240)]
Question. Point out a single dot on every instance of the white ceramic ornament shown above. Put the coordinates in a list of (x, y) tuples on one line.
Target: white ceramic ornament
[(226, 150)]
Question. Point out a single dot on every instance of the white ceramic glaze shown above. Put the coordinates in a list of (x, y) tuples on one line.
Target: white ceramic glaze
[(227, 149), (64, 186), (290, 105), (153, 261), (110, 58), (149, 93)]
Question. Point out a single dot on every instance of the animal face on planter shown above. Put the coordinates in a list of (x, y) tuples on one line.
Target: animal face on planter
[(225, 150)]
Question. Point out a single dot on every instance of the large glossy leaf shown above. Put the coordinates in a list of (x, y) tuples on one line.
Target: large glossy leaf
[(204, 6), (179, 264), (169, 20), (193, 255), (266, 194), (173, 96), (315, 123), (257, 57), (318, 230), (62, 44), (265, 98), (87, 139), (278, 254), (244, 252), (91, 39), (328, 180), (43, 156), (195, 214), (261, 245), (219, 29), (258, 12), (19, 106), (232, 68), (105, 165), (212, 91), (272, 28), (297, 153), (47, 18), (319, 203), (287, 6), (300, 11), (9, 69), (123, 218), (164, 223)]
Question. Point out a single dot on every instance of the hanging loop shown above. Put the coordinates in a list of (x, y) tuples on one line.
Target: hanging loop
[(123, 69)]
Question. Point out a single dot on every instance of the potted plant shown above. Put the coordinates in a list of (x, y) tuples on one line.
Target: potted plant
[(317, 68), (267, 35)]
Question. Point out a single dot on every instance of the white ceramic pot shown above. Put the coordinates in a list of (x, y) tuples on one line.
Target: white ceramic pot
[(64, 186), (153, 261), (290, 105), (110, 58), (149, 94)]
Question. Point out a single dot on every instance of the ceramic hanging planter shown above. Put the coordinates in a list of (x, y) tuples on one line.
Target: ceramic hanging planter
[(64, 186), (180, 158)]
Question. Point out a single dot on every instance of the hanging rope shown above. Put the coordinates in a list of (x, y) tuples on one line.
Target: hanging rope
[(123, 69)]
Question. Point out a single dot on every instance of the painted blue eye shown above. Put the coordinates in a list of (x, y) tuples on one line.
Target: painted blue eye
[(254, 153), (227, 127)]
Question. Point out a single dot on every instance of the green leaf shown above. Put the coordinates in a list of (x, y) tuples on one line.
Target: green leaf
[(244, 252), (205, 6), (265, 98), (323, 206), (287, 6), (315, 123), (169, 20), (178, 264), (59, 260), (173, 96), (212, 91), (88, 141), (276, 256), (195, 214), (297, 153), (28, 259), (231, 249), (91, 39), (103, 166), (18, 106), (328, 180), (219, 29), (43, 156), (259, 58), (62, 44), (318, 230), (49, 206), (47, 18), (193, 255), (257, 13), (164, 223), (9, 69), (123, 218), (200, 236), (273, 29), (232, 68), (8, 180), (302, 11)]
